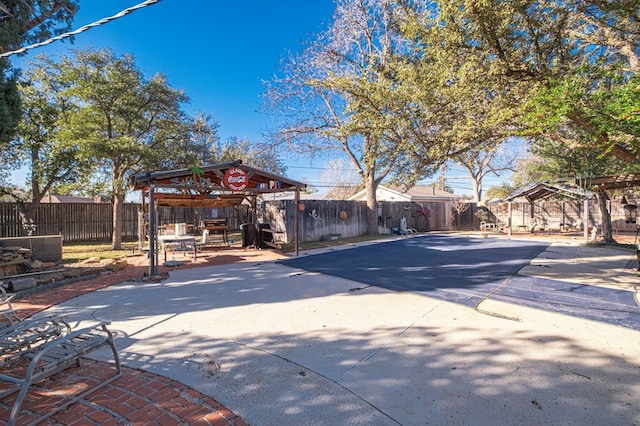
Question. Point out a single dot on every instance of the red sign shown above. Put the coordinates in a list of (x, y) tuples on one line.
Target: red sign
[(235, 179)]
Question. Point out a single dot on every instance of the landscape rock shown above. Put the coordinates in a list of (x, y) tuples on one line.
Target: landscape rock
[(23, 284), (35, 265), (90, 271), (117, 265)]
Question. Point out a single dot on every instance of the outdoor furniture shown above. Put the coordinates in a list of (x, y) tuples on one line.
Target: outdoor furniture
[(267, 236), (542, 226), (203, 239), (178, 242), (8, 315), (217, 226), (487, 226), (571, 226), (37, 348)]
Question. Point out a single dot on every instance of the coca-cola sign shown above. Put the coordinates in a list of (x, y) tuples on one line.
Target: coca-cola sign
[(236, 179)]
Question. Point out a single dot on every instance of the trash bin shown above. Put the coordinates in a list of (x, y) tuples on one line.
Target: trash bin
[(248, 233)]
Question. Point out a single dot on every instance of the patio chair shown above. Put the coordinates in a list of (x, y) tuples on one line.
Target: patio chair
[(203, 241)]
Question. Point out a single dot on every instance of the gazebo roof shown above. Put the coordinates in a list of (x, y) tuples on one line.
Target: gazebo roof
[(545, 190), (210, 185)]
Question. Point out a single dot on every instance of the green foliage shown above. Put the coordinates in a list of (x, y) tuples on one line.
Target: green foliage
[(123, 122), (53, 159), (23, 22), (30, 21), (500, 191), (10, 112), (482, 213)]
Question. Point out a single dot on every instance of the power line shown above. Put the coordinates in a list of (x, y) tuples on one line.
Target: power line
[(81, 29), (320, 168)]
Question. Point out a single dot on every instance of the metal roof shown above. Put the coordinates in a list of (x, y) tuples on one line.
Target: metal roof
[(545, 190), (204, 186)]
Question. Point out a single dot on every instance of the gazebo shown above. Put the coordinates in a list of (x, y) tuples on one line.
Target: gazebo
[(216, 185), (544, 190)]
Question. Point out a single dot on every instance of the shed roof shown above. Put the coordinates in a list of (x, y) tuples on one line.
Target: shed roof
[(616, 182), (205, 186), (545, 190)]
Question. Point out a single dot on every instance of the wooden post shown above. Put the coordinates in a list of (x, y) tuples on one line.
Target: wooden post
[(153, 231), (296, 206), (585, 218), (509, 220)]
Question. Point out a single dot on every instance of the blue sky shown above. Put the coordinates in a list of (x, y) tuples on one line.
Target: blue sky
[(218, 52)]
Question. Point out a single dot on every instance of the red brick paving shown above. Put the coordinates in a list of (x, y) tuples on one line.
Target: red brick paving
[(137, 397)]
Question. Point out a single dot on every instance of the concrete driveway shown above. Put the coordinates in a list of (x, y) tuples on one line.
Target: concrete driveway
[(281, 345)]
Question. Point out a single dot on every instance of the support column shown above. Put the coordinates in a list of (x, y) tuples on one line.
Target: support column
[(585, 218), (296, 206), (153, 231)]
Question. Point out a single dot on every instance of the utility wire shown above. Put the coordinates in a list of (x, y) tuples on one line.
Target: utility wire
[(81, 29)]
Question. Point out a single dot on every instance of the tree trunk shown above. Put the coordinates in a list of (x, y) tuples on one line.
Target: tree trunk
[(372, 206), (27, 216), (477, 189), (605, 216), (118, 221)]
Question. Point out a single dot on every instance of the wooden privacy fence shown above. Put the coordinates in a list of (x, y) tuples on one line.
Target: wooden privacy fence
[(326, 218), (319, 219), (74, 221), (554, 213), (94, 222)]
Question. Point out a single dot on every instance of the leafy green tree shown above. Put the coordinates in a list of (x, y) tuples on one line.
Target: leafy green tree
[(53, 160), (500, 191), (251, 153), (567, 57), (124, 123), (23, 22)]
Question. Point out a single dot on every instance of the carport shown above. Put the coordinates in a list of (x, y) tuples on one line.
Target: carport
[(544, 190), (216, 185)]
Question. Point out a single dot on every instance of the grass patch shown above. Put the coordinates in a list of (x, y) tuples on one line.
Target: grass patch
[(613, 244), (74, 252)]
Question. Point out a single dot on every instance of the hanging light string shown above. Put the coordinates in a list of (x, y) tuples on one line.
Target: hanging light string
[(81, 29)]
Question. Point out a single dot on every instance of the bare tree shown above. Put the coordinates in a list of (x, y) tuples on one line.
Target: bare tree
[(344, 182), (458, 207), (485, 160), (374, 91)]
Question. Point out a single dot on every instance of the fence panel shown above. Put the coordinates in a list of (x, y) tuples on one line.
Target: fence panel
[(74, 221), (80, 222)]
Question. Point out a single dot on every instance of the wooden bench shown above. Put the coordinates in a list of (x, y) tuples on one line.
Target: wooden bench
[(269, 239), (37, 348), (217, 226)]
